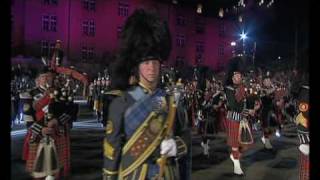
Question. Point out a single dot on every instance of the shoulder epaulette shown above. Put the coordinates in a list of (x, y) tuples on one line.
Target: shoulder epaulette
[(114, 92)]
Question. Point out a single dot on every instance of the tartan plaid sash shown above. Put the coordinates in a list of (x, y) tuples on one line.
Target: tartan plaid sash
[(138, 112)]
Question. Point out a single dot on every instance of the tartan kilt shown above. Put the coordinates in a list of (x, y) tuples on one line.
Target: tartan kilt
[(304, 166), (280, 117), (31, 156), (63, 149), (233, 133), (25, 148), (223, 122)]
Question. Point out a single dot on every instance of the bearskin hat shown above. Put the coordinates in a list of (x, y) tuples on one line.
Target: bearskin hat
[(144, 36), (236, 64)]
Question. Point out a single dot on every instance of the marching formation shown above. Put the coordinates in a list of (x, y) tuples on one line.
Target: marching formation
[(150, 114)]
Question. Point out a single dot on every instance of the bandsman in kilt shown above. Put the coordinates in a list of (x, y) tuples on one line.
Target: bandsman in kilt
[(239, 133), (39, 149), (140, 141), (62, 112), (302, 121), (268, 114)]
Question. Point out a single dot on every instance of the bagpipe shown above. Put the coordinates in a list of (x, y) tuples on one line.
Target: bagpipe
[(245, 132)]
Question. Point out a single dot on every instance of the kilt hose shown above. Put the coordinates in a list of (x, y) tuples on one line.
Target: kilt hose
[(304, 166), (62, 143)]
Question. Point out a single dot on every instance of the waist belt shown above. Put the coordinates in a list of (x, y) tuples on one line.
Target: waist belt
[(169, 161), (232, 115), (303, 137)]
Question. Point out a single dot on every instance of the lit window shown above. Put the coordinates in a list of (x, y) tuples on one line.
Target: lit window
[(53, 23), (85, 27), (45, 23), (88, 28), (92, 28)]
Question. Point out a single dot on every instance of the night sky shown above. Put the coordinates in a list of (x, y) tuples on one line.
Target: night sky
[(273, 28)]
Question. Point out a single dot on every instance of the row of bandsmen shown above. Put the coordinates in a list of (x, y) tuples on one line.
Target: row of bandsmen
[(48, 111), (136, 143), (266, 106), (97, 89)]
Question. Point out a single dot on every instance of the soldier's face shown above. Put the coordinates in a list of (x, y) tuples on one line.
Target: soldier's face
[(45, 80), (149, 70), (267, 82), (237, 78)]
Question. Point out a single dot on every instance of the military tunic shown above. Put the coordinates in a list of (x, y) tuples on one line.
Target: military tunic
[(134, 129)]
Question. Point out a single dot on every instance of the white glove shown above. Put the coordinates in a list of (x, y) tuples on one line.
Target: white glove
[(304, 148), (168, 147)]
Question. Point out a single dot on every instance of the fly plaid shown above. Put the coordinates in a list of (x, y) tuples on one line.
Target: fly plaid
[(138, 112)]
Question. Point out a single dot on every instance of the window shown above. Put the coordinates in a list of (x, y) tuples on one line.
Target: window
[(200, 26), (199, 47), (179, 61), (181, 20), (119, 29), (85, 28), (84, 53), (87, 53), (88, 28), (123, 9), (45, 23), (89, 5), (47, 48), (51, 49), (92, 28), (222, 29), (180, 40), (221, 50), (199, 51), (199, 58), (90, 53), (54, 2), (53, 23), (49, 23)]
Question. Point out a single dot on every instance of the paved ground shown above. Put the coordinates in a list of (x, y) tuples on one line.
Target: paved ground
[(258, 163)]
